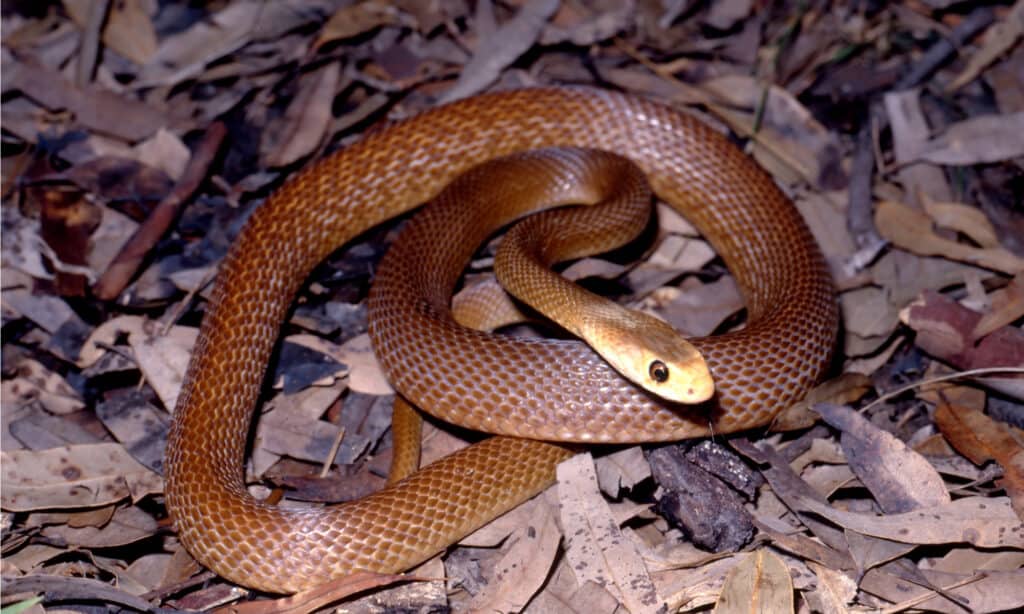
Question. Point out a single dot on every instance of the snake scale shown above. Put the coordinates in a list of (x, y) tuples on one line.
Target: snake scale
[(553, 390)]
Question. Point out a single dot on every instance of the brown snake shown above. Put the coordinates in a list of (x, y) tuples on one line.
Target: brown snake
[(565, 393)]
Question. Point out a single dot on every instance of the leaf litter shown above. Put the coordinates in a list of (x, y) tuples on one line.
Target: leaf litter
[(891, 126)]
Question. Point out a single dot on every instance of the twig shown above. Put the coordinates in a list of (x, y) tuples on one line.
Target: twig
[(979, 19), (916, 601), (329, 461), (859, 220), (128, 260), (88, 50), (936, 380), (161, 593)]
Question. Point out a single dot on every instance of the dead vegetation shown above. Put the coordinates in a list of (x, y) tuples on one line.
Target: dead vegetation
[(138, 135)]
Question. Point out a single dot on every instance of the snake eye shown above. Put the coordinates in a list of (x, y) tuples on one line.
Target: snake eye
[(659, 371)]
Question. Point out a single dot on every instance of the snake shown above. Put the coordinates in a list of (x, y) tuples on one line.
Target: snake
[(528, 391)]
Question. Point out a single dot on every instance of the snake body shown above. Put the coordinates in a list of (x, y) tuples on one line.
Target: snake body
[(566, 393)]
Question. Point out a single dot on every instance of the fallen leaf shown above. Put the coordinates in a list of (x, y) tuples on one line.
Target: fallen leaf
[(759, 578), (987, 522), (911, 230), (966, 219), (521, 571), (365, 373), (1007, 308), (35, 382), (945, 330), (1000, 38), (128, 29), (844, 389), (900, 479), (978, 140), (595, 545), (166, 152), (128, 525), (355, 19), (910, 131), (73, 476), (305, 122), (497, 51), (314, 599), (95, 108), (981, 439)]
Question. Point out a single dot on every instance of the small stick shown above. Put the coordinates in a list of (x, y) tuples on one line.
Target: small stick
[(88, 50), (979, 19), (127, 262)]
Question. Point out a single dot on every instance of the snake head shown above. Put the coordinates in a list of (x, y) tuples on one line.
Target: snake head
[(651, 354)]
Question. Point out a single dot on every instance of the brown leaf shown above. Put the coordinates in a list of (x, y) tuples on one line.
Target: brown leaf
[(128, 525), (842, 390), (497, 51), (1007, 308), (900, 479), (366, 374), (966, 219), (521, 571), (1000, 38), (946, 330), (760, 578), (73, 476), (987, 522), (911, 230), (595, 545), (128, 28), (94, 108), (68, 220), (910, 131), (981, 439), (978, 140), (355, 19), (314, 599), (306, 120)]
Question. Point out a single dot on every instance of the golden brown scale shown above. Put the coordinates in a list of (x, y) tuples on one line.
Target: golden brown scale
[(566, 392)]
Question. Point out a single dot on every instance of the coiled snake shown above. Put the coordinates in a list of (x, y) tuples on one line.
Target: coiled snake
[(552, 390)]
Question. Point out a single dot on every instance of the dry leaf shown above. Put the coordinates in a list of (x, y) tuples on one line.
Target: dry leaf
[(987, 522), (355, 19), (164, 151), (316, 598), (128, 29), (900, 479), (981, 439), (365, 373), (36, 382), (163, 358), (73, 476), (844, 389), (790, 142), (910, 131), (128, 525), (1008, 307), (966, 219), (911, 230), (521, 571), (497, 51), (946, 330), (94, 108), (978, 140), (293, 429), (834, 592), (595, 545), (1000, 38), (759, 583), (305, 122)]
